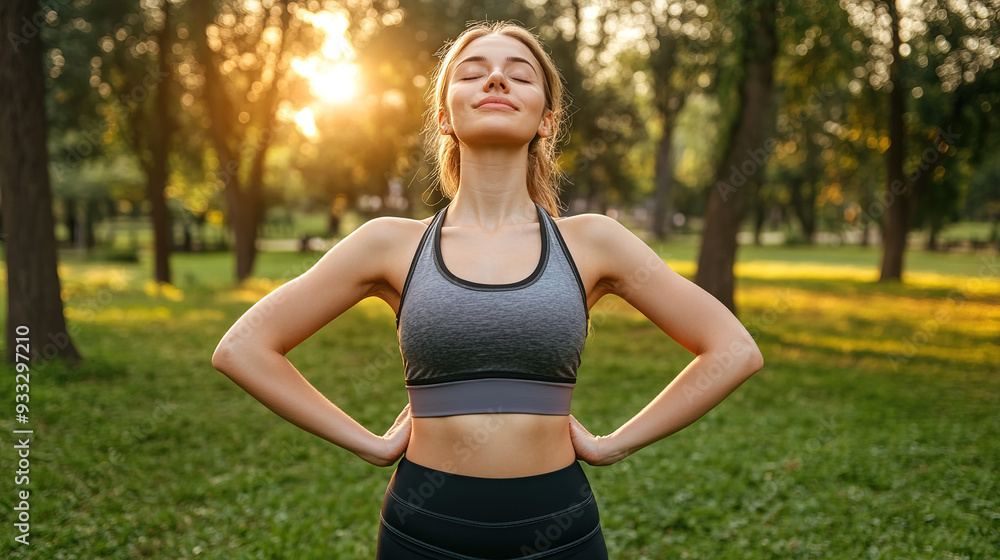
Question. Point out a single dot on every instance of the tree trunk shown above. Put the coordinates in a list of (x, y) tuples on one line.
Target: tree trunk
[(244, 228), (34, 305), (759, 209), (803, 192), (899, 191), (932, 235), (333, 225), (159, 148), (668, 102), (805, 207), (69, 220), (745, 156), (664, 182), (90, 217), (222, 131)]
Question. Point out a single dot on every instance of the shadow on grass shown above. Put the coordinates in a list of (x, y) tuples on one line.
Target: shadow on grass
[(846, 287), (62, 372)]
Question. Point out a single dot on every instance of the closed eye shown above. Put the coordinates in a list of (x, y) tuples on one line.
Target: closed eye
[(467, 78)]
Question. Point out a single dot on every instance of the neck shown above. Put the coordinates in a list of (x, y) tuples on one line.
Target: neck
[(493, 188)]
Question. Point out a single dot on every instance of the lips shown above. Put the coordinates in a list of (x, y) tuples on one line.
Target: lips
[(495, 99)]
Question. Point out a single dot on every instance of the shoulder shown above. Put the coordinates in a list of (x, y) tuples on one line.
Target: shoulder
[(599, 237), (373, 251), (594, 229), (391, 237), (390, 231), (612, 252)]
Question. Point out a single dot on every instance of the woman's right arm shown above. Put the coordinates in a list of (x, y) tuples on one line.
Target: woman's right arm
[(252, 352)]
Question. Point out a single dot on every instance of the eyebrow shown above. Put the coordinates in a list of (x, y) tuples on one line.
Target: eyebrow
[(509, 59)]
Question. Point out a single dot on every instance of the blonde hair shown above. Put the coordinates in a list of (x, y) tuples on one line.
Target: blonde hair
[(544, 174)]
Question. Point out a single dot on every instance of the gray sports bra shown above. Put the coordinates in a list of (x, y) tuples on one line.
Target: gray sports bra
[(472, 348)]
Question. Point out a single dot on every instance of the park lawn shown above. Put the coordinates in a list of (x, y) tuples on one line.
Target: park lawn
[(870, 433)]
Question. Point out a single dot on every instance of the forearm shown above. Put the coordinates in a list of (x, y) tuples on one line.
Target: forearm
[(699, 387), (271, 379)]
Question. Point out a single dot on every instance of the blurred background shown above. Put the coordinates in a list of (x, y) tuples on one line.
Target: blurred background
[(825, 168), (214, 125)]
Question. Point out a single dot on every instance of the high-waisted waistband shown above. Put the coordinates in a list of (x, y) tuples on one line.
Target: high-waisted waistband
[(491, 500), (436, 514)]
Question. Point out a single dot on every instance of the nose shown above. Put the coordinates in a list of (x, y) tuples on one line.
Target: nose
[(496, 80)]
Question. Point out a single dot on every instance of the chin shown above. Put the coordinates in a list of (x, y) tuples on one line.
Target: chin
[(496, 136)]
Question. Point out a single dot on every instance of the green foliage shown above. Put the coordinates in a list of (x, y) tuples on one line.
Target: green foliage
[(680, 62), (118, 254)]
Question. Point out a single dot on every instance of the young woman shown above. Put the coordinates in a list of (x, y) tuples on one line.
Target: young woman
[(492, 297)]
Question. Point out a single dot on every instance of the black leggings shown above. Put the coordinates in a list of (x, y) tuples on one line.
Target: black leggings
[(432, 514)]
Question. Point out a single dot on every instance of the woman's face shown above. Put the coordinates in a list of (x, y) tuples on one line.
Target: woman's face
[(500, 67)]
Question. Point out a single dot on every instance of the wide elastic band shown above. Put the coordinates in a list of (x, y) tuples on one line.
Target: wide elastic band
[(490, 396)]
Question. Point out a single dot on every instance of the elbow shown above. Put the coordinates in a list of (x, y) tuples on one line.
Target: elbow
[(232, 356), (754, 358), (745, 356), (756, 361), (221, 356)]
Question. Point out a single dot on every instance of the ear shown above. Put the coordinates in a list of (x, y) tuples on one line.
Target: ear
[(444, 126), (548, 122)]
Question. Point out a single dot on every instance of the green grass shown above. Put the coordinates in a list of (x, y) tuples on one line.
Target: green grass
[(871, 432)]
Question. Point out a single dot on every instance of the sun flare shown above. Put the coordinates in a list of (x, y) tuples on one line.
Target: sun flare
[(334, 82), (331, 73), (306, 122)]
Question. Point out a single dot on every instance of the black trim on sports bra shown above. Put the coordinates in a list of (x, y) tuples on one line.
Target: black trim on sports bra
[(409, 273), (542, 259), (572, 264), (487, 374)]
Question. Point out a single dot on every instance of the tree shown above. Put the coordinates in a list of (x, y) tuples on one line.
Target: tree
[(956, 135), (606, 120), (744, 156), (33, 287), (936, 65), (223, 98), (681, 62), (143, 82), (245, 54), (811, 82), (897, 215), (113, 91), (160, 132)]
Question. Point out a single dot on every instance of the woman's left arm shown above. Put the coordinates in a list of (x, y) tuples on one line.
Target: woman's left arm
[(725, 353)]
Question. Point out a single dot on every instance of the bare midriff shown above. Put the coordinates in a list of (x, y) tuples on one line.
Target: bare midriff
[(492, 445)]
